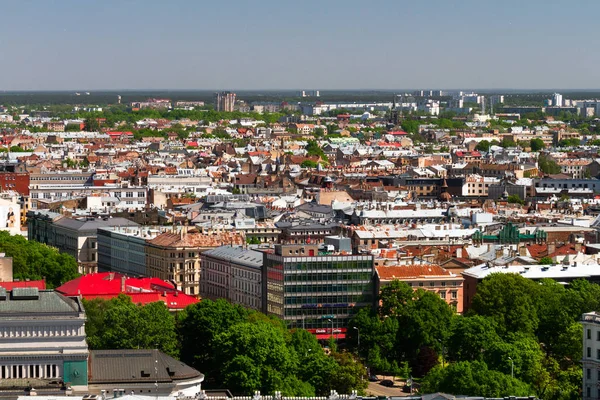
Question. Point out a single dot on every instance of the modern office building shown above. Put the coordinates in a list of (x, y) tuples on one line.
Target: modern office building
[(232, 273), (591, 355), (224, 101), (316, 290)]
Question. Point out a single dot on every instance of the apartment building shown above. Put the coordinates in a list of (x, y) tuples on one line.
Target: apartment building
[(77, 237), (478, 186), (232, 273), (429, 277), (123, 249), (591, 355), (175, 256)]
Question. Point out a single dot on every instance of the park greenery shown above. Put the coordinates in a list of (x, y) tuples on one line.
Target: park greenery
[(237, 348), (547, 165), (33, 260), (514, 324)]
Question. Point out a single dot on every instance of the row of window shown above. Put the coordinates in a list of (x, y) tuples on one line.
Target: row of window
[(432, 284), (329, 288), (329, 277)]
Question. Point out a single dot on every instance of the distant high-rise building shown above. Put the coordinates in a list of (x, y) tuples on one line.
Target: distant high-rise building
[(557, 100), (225, 101), (119, 99)]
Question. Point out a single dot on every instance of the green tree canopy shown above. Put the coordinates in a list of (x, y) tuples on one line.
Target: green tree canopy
[(33, 260), (536, 144)]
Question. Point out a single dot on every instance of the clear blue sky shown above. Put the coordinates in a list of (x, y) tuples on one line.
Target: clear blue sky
[(309, 44)]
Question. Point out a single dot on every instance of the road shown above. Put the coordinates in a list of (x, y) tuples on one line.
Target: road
[(376, 389)]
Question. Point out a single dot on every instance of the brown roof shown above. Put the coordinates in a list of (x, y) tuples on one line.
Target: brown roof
[(388, 273), (197, 239)]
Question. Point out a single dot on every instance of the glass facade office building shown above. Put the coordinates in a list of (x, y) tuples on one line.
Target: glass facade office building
[(313, 290)]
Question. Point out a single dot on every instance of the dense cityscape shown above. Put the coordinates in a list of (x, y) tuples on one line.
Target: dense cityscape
[(299, 201), (424, 244)]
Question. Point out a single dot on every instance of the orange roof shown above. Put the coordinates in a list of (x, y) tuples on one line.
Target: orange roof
[(388, 273)]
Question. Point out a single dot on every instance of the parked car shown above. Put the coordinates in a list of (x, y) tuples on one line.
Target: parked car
[(387, 382), (373, 378)]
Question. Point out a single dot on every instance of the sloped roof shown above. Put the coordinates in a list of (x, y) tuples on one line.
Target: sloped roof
[(107, 285), (129, 366)]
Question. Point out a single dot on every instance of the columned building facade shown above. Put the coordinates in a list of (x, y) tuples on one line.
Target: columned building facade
[(42, 339)]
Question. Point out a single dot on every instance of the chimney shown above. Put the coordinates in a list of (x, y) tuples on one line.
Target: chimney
[(551, 248), (523, 251), (123, 284), (499, 252), (459, 252), (578, 247)]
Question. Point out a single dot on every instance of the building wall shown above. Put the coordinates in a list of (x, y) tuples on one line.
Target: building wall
[(591, 356), (178, 265), (44, 346), (227, 279), (321, 291)]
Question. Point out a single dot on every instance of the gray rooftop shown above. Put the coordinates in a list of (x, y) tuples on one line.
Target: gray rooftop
[(92, 224), (32, 301), (128, 366), (238, 255)]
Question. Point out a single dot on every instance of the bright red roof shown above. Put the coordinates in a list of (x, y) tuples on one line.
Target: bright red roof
[(107, 285), (41, 285)]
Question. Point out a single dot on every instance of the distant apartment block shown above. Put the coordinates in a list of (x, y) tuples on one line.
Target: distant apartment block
[(225, 101)]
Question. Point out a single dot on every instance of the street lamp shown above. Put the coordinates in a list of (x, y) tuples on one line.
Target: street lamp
[(331, 320), (512, 367), (358, 333)]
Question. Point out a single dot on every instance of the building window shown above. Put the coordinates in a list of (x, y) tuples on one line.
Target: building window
[(589, 352), (443, 284), (443, 295), (454, 295), (588, 392), (598, 336), (128, 194), (598, 354), (589, 333), (588, 373), (432, 284)]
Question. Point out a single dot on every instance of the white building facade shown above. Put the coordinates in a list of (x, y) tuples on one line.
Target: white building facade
[(591, 355)]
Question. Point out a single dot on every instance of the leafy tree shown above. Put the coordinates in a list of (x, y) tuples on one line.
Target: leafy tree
[(202, 323), (572, 142), (309, 164), (313, 149), (547, 165), (255, 357), (506, 142), (348, 375), (536, 144), (17, 149), (91, 124), (484, 145), (470, 337), (33, 260), (545, 261), (473, 379), (515, 199), (508, 299), (410, 126), (120, 324)]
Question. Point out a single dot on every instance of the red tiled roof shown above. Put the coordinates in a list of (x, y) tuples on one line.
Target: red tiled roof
[(41, 284)]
